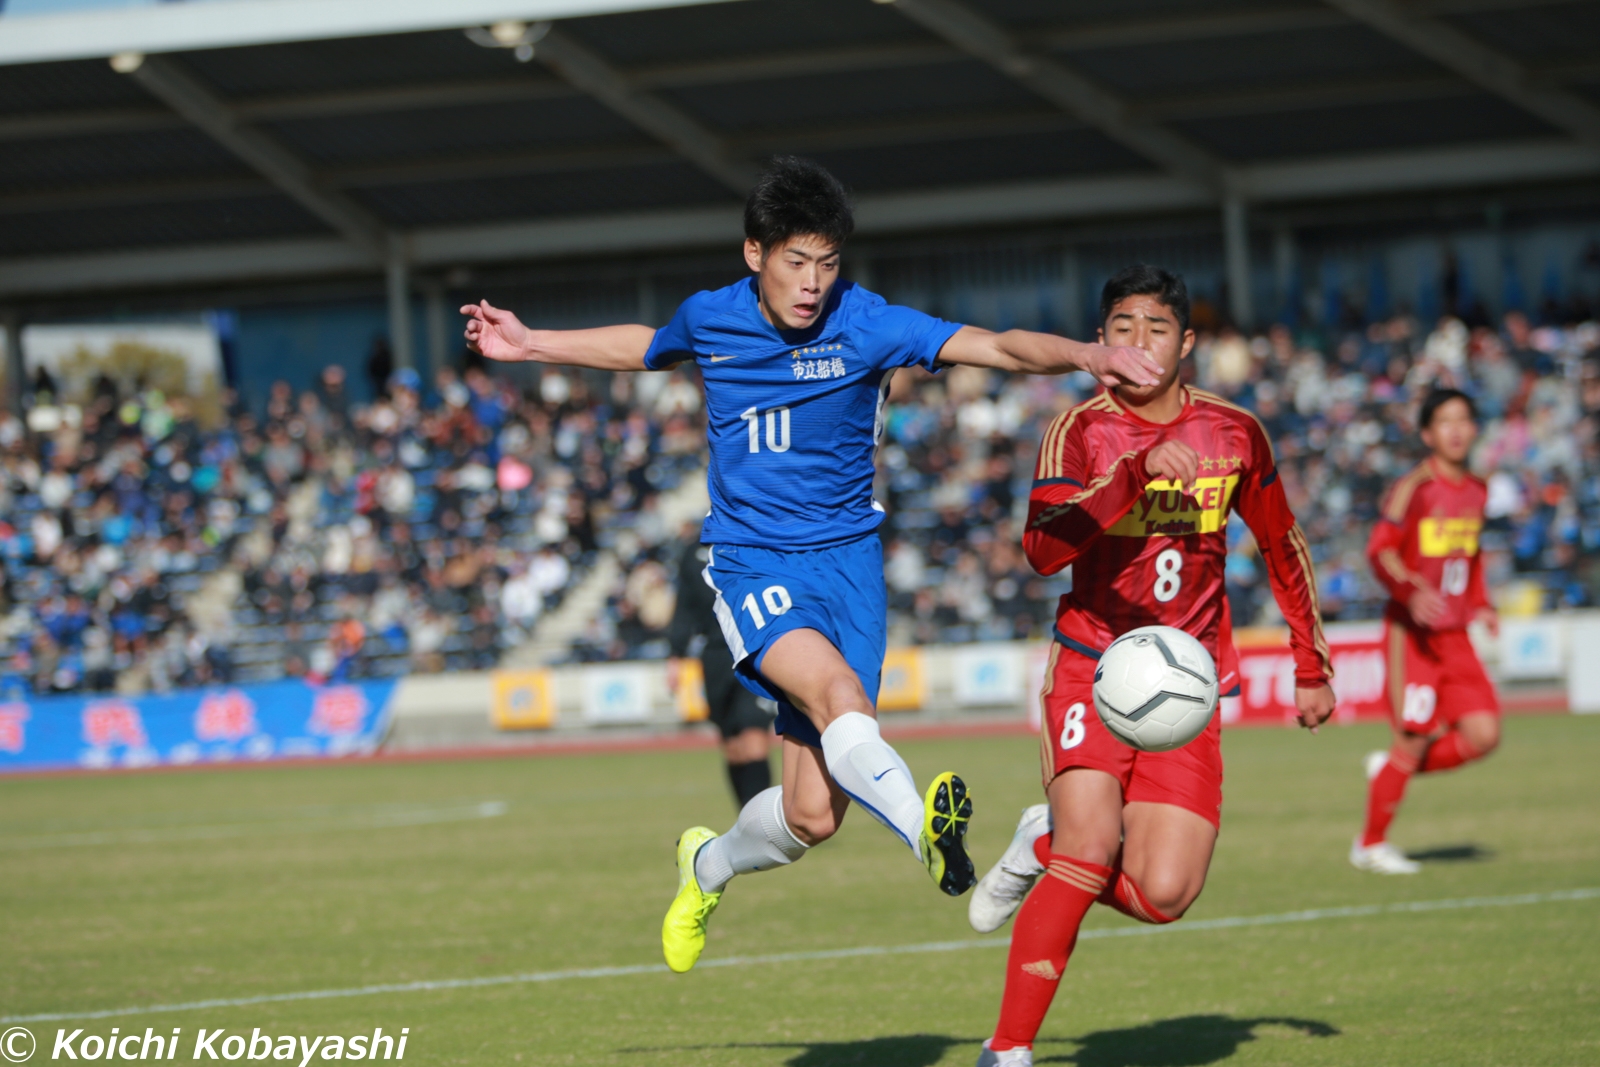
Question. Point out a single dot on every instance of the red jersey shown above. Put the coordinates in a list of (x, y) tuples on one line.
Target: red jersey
[(1146, 553), (1427, 537)]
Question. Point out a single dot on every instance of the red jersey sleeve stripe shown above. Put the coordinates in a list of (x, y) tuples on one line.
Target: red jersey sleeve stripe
[(1049, 514), (1212, 398), (1394, 509), (1049, 466), (1302, 550)]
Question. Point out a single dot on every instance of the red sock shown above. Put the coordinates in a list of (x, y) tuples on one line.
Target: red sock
[(1124, 894), (1449, 751), (1383, 798), (1041, 942), (1121, 892)]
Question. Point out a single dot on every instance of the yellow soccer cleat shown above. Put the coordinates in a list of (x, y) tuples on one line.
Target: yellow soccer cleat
[(683, 932), (946, 809)]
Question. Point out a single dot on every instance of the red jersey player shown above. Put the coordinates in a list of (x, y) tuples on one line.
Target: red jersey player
[(1134, 488), (1424, 549)]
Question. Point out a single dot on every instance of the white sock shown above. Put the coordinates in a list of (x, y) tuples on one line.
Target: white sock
[(759, 841), (873, 775)]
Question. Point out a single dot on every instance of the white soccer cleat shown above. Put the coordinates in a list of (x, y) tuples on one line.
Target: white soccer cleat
[(1373, 762), (1001, 892), (1382, 858), (1016, 1057)]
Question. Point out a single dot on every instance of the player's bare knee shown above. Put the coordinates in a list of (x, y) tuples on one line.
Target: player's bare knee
[(812, 828), (1084, 844), (1170, 892), (1482, 733), (813, 823), (839, 695)]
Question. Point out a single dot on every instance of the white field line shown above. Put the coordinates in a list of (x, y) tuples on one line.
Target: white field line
[(1311, 915)]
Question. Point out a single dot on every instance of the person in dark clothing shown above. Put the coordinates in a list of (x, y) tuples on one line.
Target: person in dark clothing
[(746, 725)]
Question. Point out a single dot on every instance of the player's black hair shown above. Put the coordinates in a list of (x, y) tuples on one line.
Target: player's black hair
[(1142, 279), (1438, 398), (794, 197)]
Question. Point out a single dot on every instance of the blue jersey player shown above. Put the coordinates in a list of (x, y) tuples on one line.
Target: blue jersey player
[(796, 366)]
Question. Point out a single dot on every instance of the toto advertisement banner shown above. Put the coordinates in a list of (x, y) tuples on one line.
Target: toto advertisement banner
[(1266, 674), (275, 720)]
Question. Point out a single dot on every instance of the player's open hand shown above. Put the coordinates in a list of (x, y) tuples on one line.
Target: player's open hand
[(1427, 606), (494, 333), (1114, 365), (1490, 619), (1314, 703), (1175, 462)]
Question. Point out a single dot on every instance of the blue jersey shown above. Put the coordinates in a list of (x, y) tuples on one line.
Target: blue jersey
[(793, 416)]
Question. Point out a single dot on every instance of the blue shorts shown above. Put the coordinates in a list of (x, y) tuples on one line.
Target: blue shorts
[(763, 594)]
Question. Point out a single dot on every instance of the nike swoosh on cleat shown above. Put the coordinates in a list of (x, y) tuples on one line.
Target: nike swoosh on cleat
[(879, 777)]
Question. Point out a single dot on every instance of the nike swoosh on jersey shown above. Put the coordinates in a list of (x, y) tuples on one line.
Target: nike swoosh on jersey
[(719, 359)]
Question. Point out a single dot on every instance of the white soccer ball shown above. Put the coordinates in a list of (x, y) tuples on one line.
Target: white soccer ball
[(1155, 688)]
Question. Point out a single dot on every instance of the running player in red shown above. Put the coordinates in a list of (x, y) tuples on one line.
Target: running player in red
[(1424, 549), (1135, 487)]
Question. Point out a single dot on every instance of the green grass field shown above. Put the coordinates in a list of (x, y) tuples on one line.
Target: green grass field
[(158, 889)]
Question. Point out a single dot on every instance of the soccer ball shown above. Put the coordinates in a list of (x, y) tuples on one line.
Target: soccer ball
[(1155, 688)]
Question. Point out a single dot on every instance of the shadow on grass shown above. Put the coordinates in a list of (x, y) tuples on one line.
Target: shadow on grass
[(901, 1050), (1189, 1041), (1452, 854)]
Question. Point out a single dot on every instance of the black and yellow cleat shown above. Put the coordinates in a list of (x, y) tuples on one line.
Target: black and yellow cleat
[(947, 807)]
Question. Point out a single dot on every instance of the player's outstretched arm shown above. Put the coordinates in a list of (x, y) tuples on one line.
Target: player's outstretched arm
[(1026, 352), (498, 334), (1265, 509)]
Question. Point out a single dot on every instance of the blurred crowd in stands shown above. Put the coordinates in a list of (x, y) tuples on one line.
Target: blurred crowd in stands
[(141, 549)]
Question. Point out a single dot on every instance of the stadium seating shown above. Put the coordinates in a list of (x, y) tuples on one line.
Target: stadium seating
[(142, 549)]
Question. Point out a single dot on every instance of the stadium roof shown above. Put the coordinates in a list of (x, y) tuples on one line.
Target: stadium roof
[(237, 140)]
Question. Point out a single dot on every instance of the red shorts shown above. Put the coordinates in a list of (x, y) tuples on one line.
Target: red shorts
[(1435, 677), (1189, 777)]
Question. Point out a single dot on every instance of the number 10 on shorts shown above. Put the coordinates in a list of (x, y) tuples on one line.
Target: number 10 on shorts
[(777, 601)]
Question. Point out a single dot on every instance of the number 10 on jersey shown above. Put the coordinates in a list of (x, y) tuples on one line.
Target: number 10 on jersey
[(777, 599), (777, 428)]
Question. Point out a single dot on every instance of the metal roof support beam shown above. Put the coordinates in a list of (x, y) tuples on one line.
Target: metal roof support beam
[(1236, 261), (438, 324), (1012, 203), (1058, 83), (16, 373), (192, 100), (98, 33), (262, 153), (597, 77), (397, 288), (1479, 63)]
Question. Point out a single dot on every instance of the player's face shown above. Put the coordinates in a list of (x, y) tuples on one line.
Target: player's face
[(795, 278), (1144, 322), (1452, 431)]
